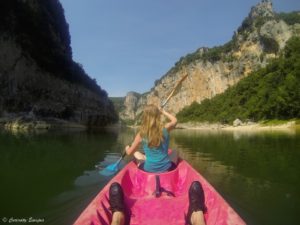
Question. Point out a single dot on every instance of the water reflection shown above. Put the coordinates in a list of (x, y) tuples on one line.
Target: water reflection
[(258, 173), (34, 168), (55, 175), (237, 134)]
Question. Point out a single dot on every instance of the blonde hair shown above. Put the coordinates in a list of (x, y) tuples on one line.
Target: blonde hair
[(151, 127)]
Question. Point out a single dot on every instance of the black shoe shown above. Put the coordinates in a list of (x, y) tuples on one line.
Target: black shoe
[(196, 199), (116, 198)]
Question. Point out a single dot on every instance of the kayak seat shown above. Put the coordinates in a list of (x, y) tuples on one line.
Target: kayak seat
[(137, 183)]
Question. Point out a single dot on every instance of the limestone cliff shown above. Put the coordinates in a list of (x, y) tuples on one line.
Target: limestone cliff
[(131, 106), (212, 70), (38, 78)]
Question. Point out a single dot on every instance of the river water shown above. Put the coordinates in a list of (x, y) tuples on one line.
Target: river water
[(49, 178)]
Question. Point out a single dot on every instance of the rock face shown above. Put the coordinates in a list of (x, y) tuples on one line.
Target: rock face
[(130, 103), (38, 78), (211, 71)]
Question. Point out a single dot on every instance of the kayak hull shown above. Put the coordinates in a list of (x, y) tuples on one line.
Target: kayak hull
[(169, 208)]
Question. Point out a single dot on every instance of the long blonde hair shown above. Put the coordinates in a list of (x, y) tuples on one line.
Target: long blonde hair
[(151, 127)]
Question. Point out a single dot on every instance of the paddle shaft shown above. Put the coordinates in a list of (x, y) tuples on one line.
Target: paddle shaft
[(119, 160), (173, 91)]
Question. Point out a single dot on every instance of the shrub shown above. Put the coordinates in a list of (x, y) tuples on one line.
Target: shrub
[(290, 18)]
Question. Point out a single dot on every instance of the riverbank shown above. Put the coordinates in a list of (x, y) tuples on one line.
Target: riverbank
[(26, 124), (250, 126)]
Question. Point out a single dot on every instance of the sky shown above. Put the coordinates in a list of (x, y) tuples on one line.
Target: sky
[(128, 44)]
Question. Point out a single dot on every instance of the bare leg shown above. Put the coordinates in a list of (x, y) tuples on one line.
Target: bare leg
[(118, 218), (139, 156), (197, 218)]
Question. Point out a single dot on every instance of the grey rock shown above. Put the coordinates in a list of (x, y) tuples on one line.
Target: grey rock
[(237, 122)]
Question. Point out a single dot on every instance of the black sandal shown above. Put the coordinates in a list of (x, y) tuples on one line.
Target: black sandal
[(116, 198), (196, 200)]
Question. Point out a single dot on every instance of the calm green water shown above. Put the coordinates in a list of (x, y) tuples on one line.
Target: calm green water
[(51, 177)]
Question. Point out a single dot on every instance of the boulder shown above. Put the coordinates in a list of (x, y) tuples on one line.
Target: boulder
[(237, 122)]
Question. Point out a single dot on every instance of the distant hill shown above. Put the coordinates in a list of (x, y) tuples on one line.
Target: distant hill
[(272, 92)]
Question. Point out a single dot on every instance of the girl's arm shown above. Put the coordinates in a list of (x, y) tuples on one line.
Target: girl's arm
[(134, 146), (173, 120)]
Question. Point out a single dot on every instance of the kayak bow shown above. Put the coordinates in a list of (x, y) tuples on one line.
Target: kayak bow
[(147, 207)]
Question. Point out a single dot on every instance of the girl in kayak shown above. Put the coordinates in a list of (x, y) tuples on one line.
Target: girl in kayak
[(154, 138)]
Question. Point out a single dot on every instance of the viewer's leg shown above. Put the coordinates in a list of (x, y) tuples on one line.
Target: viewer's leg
[(197, 218), (118, 218), (196, 204), (117, 206)]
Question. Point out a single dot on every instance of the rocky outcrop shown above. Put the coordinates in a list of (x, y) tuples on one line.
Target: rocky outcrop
[(38, 78), (211, 71), (262, 9)]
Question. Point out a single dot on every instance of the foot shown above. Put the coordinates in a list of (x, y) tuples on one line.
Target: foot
[(196, 199), (116, 198)]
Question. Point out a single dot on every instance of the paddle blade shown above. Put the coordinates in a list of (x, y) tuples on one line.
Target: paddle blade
[(111, 169)]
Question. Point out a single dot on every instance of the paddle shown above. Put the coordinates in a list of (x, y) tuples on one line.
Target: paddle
[(113, 168), (174, 90)]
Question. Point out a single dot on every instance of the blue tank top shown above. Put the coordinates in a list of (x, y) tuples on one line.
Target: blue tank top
[(157, 158)]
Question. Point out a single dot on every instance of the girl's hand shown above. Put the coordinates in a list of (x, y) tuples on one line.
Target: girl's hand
[(127, 150)]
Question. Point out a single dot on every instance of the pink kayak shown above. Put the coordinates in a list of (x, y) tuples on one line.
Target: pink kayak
[(147, 206)]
